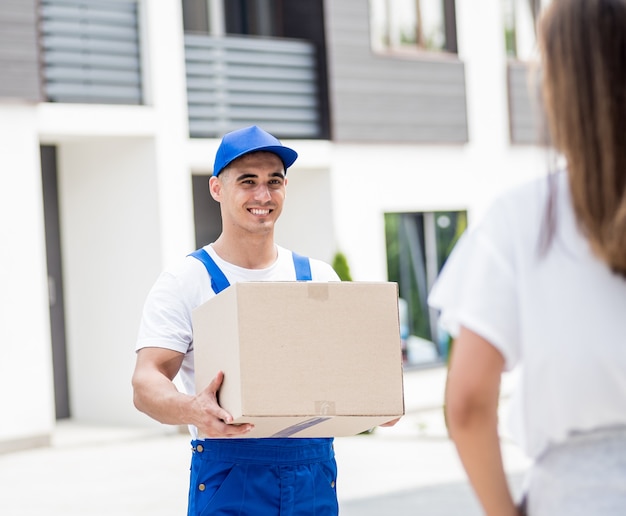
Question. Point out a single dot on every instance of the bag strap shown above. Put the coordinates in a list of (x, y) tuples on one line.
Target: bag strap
[(219, 281)]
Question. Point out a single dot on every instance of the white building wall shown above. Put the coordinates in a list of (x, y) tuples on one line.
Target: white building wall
[(307, 224), (111, 255), (367, 183), (25, 372)]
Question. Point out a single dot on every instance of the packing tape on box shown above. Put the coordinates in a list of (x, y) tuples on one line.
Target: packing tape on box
[(318, 291)]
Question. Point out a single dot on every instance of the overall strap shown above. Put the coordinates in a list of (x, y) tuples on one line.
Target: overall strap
[(303, 267), (218, 280)]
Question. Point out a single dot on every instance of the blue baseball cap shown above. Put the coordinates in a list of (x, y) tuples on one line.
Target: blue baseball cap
[(250, 139)]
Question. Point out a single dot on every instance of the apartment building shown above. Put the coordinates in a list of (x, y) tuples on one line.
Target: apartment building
[(408, 117)]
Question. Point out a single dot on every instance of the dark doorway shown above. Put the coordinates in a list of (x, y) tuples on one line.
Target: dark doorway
[(253, 17), (55, 280), (206, 212)]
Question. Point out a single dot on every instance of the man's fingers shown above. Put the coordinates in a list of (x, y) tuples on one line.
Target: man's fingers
[(225, 416), (221, 426), (211, 391), (238, 430), (216, 383), (224, 430), (390, 423)]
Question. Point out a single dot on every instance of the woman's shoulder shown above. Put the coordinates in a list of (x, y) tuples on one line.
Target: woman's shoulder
[(523, 207), (531, 193)]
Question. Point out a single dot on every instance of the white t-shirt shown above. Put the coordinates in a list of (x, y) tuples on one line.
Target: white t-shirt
[(166, 320), (561, 316)]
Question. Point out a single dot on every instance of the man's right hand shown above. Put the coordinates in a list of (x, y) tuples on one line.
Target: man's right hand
[(156, 395), (211, 419)]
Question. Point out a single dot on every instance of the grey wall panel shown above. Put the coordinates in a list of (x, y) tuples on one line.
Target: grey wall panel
[(526, 122), (91, 51), (19, 59), (389, 98)]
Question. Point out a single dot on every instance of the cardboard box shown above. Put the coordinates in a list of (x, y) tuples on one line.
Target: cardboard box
[(303, 359)]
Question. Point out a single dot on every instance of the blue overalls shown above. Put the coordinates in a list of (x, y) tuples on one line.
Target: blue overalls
[(261, 477)]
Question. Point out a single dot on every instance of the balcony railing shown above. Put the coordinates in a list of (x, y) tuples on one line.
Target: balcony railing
[(237, 81), (91, 51)]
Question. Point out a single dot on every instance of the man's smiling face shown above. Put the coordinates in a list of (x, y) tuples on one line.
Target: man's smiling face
[(251, 191)]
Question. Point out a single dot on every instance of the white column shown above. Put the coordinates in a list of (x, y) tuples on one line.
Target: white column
[(26, 364), (480, 31), (525, 30), (165, 55)]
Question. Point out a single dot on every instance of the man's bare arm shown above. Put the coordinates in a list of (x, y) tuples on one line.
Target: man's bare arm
[(155, 394)]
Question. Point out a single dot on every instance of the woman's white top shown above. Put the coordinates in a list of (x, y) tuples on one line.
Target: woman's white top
[(561, 315)]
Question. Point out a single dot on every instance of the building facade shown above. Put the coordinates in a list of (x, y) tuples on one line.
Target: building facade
[(110, 115)]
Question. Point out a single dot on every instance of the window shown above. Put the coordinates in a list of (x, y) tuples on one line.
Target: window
[(510, 31), (401, 25), (218, 17), (418, 244), (196, 16), (519, 21), (252, 17)]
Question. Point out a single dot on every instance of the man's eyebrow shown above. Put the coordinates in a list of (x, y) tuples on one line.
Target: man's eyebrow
[(246, 176)]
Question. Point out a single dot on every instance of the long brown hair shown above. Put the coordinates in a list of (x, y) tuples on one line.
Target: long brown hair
[(583, 48)]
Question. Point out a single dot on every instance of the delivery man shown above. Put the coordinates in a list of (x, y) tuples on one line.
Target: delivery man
[(237, 475)]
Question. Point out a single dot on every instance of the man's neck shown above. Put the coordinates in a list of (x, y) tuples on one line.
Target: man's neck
[(253, 253)]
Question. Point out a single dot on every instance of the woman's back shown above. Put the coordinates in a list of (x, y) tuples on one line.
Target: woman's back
[(572, 322)]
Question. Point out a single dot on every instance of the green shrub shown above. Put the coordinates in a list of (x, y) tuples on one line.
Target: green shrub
[(340, 264)]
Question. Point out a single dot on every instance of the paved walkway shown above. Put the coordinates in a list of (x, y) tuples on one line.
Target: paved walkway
[(411, 468)]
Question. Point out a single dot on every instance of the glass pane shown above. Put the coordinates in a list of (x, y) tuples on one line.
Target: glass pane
[(431, 26), (418, 244), (450, 225), (508, 13), (195, 16), (251, 17), (401, 24), (378, 25)]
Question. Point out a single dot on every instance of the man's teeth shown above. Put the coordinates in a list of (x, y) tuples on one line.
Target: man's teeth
[(259, 212)]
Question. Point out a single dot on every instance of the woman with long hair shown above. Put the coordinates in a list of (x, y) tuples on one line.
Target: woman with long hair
[(539, 284)]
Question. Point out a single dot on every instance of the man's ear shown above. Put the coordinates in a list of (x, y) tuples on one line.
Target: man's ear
[(215, 187)]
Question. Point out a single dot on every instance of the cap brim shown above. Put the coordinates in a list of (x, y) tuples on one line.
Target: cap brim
[(287, 156)]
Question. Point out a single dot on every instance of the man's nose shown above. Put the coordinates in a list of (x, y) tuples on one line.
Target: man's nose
[(263, 192)]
